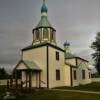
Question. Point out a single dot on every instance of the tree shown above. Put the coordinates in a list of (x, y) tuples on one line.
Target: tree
[(3, 74), (96, 55), (2, 71)]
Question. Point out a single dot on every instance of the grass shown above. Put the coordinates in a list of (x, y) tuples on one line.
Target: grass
[(89, 87), (2, 91), (57, 95)]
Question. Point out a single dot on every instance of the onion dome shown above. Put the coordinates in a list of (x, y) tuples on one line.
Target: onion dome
[(44, 22), (66, 43), (44, 8)]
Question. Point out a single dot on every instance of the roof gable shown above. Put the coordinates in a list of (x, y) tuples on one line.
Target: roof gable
[(31, 65), (26, 64)]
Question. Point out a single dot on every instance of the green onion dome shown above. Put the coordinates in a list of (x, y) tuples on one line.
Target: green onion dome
[(66, 43), (44, 8)]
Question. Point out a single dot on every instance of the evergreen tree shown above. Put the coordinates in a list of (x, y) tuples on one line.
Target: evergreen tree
[(3, 74), (96, 55)]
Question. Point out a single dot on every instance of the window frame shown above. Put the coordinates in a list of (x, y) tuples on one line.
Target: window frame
[(75, 74), (37, 36), (57, 56), (45, 33), (52, 35), (83, 74), (57, 74)]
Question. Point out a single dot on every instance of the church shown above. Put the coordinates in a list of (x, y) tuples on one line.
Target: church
[(44, 64)]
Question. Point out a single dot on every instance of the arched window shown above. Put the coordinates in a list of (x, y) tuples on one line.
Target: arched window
[(52, 35), (45, 33), (34, 35), (37, 34)]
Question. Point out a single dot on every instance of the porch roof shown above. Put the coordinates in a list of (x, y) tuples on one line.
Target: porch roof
[(31, 65)]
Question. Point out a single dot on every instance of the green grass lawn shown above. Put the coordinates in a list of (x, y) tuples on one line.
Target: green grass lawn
[(58, 95), (2, 91), (89, 87)]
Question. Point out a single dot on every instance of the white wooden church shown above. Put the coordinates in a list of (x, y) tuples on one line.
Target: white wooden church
[(43, 64)]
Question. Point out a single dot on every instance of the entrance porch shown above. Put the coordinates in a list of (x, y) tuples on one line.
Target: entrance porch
[(27, 75)]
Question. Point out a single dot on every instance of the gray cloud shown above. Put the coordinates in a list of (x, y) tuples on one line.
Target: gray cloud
[(75, 20)]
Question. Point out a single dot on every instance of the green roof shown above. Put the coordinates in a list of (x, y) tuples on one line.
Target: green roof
[(31, 65), (69, 55), (44, 22)]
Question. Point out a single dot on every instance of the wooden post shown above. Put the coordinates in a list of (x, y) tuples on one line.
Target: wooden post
[(26, 79), (16, 79), (30, 79), (36, 79), (7, 84), (21, 85), (11, 82), (39, 79)]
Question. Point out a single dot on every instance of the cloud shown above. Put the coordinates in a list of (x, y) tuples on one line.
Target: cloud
[(75, 20)]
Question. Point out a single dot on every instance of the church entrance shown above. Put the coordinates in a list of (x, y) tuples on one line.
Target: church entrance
[(27, 79), (27, 74)]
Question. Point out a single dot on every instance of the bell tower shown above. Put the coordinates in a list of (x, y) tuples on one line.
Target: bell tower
[(44, 32)]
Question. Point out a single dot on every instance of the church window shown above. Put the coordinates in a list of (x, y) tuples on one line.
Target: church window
[(83, 74), (33, 35), (52, 36), (45, 33), (75, 76), (57, 74), (37, 34), (57, 55)]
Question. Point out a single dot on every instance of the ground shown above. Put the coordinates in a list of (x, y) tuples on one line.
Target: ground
[(57, 95), (89, 87)]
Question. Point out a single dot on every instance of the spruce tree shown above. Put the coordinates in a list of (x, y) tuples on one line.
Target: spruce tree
[(96, 55)]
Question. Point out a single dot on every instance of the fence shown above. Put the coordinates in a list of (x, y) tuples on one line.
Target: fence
[(95, 79), (3, 82)]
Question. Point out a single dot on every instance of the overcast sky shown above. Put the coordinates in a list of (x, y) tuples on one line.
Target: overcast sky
[(75, 20)]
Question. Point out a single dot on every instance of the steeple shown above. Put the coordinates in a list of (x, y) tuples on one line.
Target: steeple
[(44, 32), (44, 22)]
